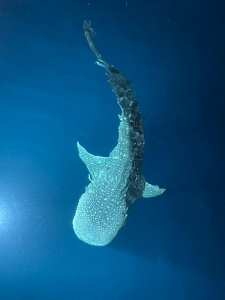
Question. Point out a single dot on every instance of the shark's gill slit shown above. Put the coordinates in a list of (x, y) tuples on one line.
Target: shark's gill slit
[(116, 181)]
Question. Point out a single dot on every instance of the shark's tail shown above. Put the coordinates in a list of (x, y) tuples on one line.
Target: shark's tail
[(121, 86)]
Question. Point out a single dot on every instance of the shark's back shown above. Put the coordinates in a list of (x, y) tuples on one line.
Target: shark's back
[(116, 181)]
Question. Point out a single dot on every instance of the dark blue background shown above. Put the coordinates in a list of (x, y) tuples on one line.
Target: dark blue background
[(52, 94)]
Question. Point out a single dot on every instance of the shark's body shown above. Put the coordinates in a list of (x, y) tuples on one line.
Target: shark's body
[(116, 181)]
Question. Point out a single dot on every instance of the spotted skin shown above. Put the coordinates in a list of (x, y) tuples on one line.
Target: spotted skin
[(115, 181)]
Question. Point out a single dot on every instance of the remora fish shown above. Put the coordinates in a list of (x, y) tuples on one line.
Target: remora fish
[(116, 181)]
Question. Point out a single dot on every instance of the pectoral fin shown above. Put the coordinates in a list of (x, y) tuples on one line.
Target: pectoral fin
[(94, 163), (152, 190)]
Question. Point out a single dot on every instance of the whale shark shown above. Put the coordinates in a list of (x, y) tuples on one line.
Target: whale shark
[(116, 181)]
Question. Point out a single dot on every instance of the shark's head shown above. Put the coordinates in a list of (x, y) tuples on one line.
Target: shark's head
[(98, 219)]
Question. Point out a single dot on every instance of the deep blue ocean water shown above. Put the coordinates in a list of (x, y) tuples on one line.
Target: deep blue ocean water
[(52, 94)]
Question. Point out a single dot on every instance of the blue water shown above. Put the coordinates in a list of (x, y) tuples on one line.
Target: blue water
[(52, 95)]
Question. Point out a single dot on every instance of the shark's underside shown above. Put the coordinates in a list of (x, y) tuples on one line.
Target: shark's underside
[(115, 181)]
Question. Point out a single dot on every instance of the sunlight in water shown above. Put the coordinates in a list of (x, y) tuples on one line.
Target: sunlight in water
[(2, 214)]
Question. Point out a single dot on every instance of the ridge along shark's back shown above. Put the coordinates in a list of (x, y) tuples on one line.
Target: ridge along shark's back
[(116, 181)]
